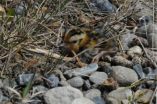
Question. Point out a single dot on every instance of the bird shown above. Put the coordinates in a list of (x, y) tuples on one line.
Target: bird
[(76, 39)]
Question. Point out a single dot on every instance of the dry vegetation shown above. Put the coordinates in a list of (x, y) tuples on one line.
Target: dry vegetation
[(31, 39)]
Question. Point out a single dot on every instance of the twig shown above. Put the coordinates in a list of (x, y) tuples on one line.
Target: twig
[(47, 53)]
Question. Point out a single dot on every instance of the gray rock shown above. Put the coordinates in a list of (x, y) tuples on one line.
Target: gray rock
[(111, 100), (21, 8), (120, 94), (104, 5), (98, 77), (127, 40), (95, 96), (123, 75), (39, 88), (125, 101), (82, 71), (53, 81), (62, 95), (23, 79), (76, 82), (2, 97), (143, 96), (120, 60), (139, 70), (87, 85), (9, 82), (98, 100), (82, 101), (92, 93), (1, 83), (135, 50), (63, 83)]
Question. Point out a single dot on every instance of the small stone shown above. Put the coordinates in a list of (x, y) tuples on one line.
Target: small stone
[(95, 96), (104, 5), (62, 95), (23, 79), (111, 100), (3, 98), (139, 70), (39, 88), (1, 83), (63, 83), (136, 50), (82, 101), (106, 67), (98, 77), (120, 94), (125, 101), (53, 81), (119, 60), (92, 93), (98, 100), (21, 8), (9, 82), (127, 40), (76, 82), (87, 85), (143, 96), (82, 71), (123, 75)]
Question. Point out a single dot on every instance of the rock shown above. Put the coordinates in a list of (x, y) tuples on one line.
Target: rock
[(139, 70), (23, 79), (111, 100), (106, 67), (98, 100), (87, 85), (120, 60), (123, 75), (53, 81), (92, 93), (21, 9), (39, 88), (1, 83), (3, 98), (63, 83), (82, 101), (125, 101), (9, 82), (127, 40), (82, 71), (104, 5), (143, 96), (98, 77), (120, 94), (62, 95), (95, 96), (135, 50), (76, 82)]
